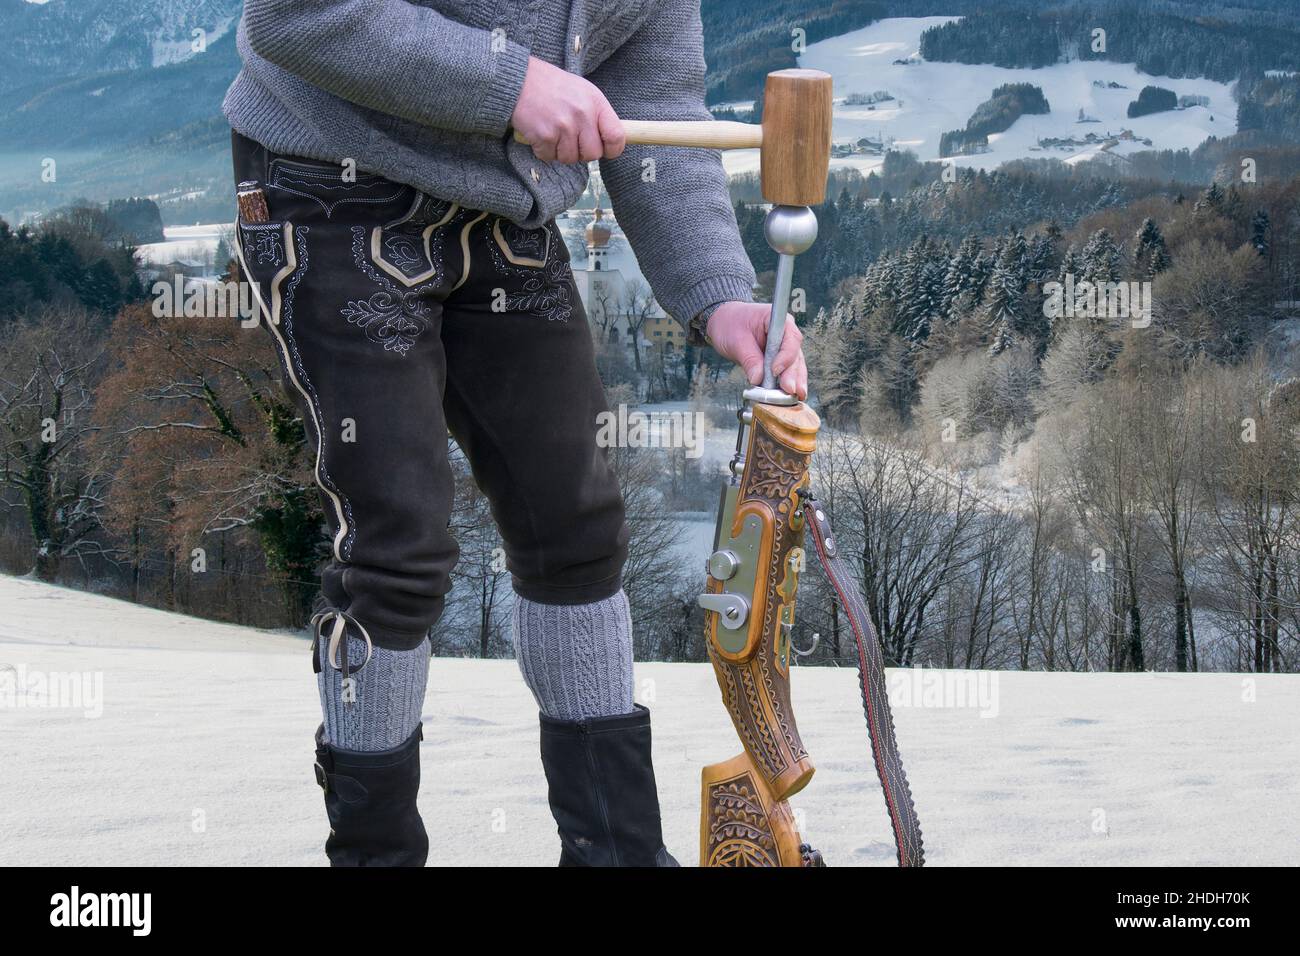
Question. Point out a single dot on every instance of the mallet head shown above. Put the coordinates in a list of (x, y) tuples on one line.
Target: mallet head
[(796, 151)]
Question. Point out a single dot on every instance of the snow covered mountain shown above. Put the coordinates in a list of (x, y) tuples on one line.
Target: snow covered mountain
[(64, 38), (124, 95), (1027, 768)]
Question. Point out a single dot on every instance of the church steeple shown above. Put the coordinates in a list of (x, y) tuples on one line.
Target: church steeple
[(598, 234)]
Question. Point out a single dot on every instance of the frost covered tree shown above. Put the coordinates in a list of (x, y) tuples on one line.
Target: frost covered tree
[(1150, 255), (1259, 232), (1102, 258), (1103, 473), (1212, 200), (50, 471), (1042, 259), (1003, 299), (961, 277), (1071, 265)]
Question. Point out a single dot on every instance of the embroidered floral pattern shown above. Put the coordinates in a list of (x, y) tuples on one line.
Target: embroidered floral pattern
[(265, 247), (392, 321), (525, 243), (392, 317), (404, 252), (545, 291)]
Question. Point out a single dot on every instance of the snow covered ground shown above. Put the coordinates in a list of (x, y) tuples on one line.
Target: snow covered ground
[(197, 243), (201, 754), (932, 98)]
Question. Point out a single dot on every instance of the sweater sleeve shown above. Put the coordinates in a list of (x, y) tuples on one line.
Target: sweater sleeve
[(672, 202), (394, 57)]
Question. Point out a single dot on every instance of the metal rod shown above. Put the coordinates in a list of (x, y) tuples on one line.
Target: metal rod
[(780, 308), (789, 231)]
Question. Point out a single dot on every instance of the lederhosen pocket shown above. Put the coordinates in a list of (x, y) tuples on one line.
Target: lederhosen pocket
[(267, 249), (412, 248), (535, 263), (332, 189), (293, 197)]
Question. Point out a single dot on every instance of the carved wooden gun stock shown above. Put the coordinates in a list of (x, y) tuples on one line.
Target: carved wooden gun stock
[(750, 596)]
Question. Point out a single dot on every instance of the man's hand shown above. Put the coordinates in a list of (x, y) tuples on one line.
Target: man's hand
[(738, 331), (565, 118)]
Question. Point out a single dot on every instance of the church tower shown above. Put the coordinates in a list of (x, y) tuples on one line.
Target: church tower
[(598, 233)]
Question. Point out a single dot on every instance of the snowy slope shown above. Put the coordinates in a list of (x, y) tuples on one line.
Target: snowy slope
[(932, 98), (193, 243), (74, 38), (168, 48), (213, 719)]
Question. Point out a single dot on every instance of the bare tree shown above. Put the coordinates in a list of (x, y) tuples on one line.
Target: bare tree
[(980, 598), (639, 306), (916, 529), (653, 573), (482, 582), (603, 308), (1171, 424), (1054, 617), (1102, 470), (48, 468), (206, 445), (1211, 302), (1253, 475)]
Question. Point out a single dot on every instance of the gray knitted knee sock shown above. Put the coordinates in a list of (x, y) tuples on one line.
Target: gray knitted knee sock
[(385, 707), (576, 658)]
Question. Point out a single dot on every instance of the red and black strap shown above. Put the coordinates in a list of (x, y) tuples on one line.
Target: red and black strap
[(875, 698)]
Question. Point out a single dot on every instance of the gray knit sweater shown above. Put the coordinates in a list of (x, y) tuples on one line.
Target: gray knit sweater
[(422, 91)]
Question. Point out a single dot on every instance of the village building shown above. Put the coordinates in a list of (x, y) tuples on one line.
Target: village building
[(619, 303)]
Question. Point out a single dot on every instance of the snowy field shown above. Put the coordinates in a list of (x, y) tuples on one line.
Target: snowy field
[(201, 754), (932, 98), (197, 243)]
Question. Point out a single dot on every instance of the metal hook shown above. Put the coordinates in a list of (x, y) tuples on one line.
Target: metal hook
[(811, 647)]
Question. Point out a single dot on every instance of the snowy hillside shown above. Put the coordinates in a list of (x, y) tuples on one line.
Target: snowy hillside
[(64, 38), (196, 243), (198, 751), (931, 98)]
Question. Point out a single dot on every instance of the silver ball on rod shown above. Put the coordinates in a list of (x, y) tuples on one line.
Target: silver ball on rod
[(790, 230)]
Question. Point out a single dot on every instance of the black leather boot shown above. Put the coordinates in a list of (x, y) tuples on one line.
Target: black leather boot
[(602, 790), (370, 801)]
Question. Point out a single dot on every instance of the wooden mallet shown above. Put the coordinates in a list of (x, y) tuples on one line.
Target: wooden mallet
[(794, 140), (794, 146)]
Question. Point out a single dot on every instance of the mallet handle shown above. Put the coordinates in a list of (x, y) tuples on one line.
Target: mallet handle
[(711, 134)]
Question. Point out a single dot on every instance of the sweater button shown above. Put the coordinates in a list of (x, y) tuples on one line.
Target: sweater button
[(577, 42), (533, 172)]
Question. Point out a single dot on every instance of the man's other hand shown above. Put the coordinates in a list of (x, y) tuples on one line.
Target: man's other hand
[(565, 118), (738, 331)]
